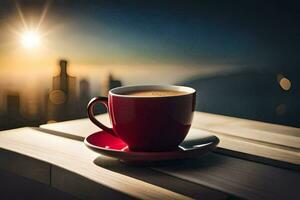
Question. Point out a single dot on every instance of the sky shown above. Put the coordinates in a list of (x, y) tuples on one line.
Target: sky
[(149, 41)]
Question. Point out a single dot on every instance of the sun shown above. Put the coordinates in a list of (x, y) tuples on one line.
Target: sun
[(30, 39)]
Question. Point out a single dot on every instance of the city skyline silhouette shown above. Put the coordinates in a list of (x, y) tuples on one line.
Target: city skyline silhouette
[(64, 101)]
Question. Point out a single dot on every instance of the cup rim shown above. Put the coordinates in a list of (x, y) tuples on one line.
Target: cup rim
[(123, 89)]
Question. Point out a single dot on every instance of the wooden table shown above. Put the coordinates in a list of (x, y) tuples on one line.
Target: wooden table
[(254, 160)]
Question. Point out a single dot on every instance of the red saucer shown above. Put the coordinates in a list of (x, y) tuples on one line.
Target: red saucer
[(111, 146)]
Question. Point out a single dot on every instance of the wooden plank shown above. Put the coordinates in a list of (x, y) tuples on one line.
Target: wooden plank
[(149, 175), (272, 128), (207, 120), (240, 177), (75, 157), (264, 146), (25, 166), (61, 179), (82, 187), (254, 130), (17, 187), (279, 139), (259, 149)]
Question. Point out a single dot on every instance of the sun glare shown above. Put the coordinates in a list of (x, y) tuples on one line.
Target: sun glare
[(30, 39)]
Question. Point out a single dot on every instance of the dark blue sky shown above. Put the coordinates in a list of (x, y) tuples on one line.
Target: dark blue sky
[(238, 32), (246, 33)]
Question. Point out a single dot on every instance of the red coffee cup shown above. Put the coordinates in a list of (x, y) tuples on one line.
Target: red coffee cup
[(155, 123)]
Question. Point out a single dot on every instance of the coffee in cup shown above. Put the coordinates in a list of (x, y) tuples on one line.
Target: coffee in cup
[(155, 93)]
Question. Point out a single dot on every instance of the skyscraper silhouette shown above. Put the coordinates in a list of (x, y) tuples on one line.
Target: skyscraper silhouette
[(62, 104), (113, 83), (84, 97), (110, 83), (12, 117), (13, 105), (63, 81)]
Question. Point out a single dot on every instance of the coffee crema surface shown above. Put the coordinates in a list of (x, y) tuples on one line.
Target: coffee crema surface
[(155, 93)]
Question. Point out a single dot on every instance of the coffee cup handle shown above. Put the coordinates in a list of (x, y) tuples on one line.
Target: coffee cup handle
[(90, 109)]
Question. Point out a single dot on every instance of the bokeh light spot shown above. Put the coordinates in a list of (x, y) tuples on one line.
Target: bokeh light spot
[(284, 82), (58, 97), (281, 109)]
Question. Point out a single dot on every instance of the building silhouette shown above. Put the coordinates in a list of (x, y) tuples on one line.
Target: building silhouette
[(63, 81), (13, 105), (113, 83), (110, 83), (62, 101), (84, 97), (12, 115)]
